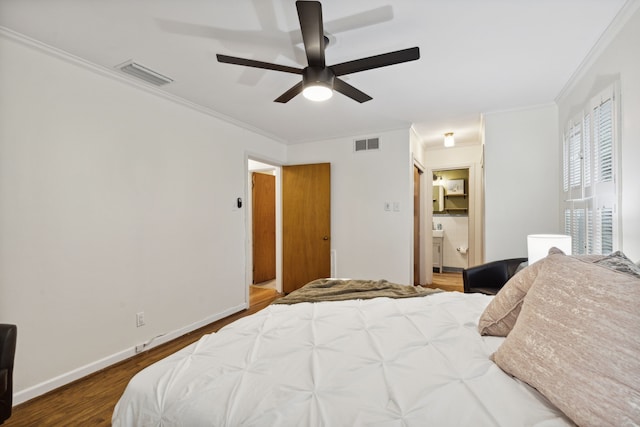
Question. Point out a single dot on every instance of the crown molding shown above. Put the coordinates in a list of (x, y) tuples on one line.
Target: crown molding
[(620, 20), (122, 78)]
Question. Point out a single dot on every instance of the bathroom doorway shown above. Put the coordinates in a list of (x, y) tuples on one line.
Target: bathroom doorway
[(452, 191)]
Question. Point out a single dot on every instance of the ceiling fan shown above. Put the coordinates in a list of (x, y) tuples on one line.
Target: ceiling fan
[(319, 80)]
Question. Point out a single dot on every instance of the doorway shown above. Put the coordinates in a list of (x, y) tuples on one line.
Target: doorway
[(306, 224), (302, 251), (452, 191), (264, 230), (263, 197)]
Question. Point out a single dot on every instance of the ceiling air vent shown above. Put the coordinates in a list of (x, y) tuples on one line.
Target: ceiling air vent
[(366, 144), (143, 73)]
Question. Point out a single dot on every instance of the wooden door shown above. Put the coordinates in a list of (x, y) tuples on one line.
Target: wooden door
[(264, 226), (416, 225), (306, 224)]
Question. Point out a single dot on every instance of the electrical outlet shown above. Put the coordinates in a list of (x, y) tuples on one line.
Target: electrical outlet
[(140, 348), (140, 319)]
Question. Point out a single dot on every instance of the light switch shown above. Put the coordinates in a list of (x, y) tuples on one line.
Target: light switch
[(396, 206), (387, 206)]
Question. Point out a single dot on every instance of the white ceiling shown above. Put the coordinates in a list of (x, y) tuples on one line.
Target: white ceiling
[(476, 56)]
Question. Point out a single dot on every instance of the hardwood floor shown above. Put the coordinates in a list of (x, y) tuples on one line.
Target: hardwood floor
[(90, 400), (447, 282), (258, 295)]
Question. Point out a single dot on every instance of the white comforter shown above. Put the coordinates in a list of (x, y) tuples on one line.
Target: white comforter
[(381, 362)]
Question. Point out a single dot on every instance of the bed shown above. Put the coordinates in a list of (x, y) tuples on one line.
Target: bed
[(410, 360)]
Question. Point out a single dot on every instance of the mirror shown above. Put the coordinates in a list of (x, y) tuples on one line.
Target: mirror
[(438, 198)]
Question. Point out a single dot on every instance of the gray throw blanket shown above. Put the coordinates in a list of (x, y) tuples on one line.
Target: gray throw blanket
[(340, 290)]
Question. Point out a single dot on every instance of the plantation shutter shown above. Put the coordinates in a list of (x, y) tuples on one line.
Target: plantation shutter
[(604, 141), (589, 184)]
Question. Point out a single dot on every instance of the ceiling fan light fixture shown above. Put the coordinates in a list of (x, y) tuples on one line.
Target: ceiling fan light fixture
[(448, 139), (317, 83), (317, 92)]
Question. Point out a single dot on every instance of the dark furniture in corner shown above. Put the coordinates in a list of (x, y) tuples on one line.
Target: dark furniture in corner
[(489, 278), (8, 334)]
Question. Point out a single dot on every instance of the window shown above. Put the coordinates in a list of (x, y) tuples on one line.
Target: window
[(589, 177)]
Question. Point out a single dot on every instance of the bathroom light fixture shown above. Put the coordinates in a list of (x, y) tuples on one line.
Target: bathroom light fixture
[(448, 139)]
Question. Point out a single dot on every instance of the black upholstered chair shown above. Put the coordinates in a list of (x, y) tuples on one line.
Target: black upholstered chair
[(8, 334), (489, 278)]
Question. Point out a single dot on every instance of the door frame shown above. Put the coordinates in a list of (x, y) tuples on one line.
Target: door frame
[(276, 167), (423, 278)]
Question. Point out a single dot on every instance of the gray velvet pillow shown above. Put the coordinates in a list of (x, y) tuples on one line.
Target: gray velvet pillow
[(619, 262)]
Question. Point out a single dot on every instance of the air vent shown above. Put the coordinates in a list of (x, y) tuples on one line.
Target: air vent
[(143, 73), (366, 144)]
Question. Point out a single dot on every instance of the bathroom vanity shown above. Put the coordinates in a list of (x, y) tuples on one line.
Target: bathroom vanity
[(438, 236)]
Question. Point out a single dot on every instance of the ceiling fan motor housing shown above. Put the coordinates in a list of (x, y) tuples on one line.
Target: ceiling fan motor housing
[(314, 76)]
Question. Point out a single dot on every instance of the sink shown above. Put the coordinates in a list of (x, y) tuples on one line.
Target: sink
[(438, 233)]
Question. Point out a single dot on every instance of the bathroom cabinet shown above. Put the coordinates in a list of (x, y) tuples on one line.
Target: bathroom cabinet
[(444, 203), (437, 253)]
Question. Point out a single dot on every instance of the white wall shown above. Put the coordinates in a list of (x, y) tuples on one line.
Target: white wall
[(617, 62), (521, 161), (370, 243), (113, 201)]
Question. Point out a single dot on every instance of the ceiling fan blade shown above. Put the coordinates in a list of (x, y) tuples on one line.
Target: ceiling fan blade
[(257, 64), (350, 91), (288, 95), (376, 61), (310, 16)]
